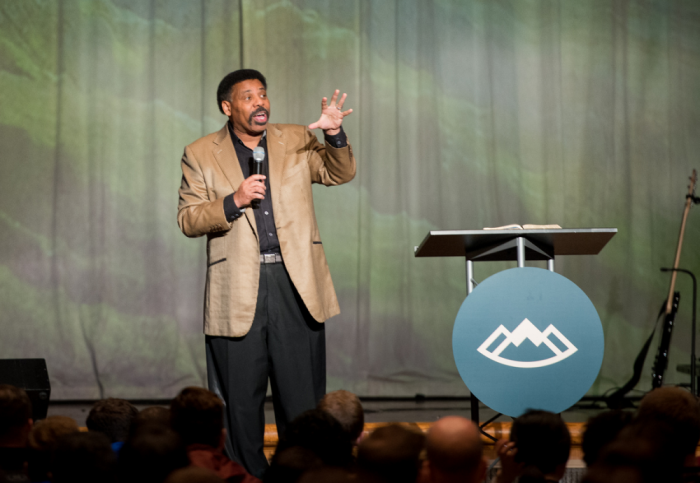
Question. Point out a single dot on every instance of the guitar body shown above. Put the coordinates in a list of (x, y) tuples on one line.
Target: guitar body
[(661, 361)]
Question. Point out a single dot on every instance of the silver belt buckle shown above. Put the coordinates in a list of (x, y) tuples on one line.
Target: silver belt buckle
[(269, 257)]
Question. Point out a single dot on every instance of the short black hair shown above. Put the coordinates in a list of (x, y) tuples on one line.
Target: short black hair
[(197, 415), (15, 409), (223, 93), (112, 417), (347, 409), (150, 454), (542, 439), (83, 458), (391, 453), (676, 407), (601, 430), (321, 433)]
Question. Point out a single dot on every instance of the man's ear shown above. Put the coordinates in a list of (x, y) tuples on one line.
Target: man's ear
[(226, 107), (222, 439)]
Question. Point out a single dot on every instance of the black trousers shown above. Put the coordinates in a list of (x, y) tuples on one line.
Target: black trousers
[(286, 345)]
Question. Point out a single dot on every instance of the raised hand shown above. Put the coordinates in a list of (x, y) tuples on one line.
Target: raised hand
[(331, 114), (510, 470)]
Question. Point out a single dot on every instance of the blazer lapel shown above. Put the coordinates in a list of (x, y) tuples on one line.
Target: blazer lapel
[(226, 157), (276, 157)]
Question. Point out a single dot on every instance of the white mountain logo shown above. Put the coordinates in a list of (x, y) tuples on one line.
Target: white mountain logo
[(526, 330)]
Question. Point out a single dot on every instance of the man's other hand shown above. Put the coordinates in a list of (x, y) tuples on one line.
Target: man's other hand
[(252, 188), (331, 114)]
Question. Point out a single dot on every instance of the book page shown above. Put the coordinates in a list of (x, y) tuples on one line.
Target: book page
[(523, 227), (505, 227), (541, 227)]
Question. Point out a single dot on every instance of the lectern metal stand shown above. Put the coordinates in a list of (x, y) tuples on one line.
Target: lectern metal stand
[(509, 245)]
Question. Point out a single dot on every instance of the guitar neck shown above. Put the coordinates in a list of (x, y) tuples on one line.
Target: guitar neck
[(688, 203)]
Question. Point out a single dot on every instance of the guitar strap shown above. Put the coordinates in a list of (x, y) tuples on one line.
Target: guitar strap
[(617, 399)]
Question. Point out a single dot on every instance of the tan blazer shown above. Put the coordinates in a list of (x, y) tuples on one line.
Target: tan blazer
[(210, 172)]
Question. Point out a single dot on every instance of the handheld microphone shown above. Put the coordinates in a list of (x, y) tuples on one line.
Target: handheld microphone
[(258, 156)]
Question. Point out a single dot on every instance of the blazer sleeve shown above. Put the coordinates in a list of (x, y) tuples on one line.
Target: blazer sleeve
[(197, 215), (329, 165)]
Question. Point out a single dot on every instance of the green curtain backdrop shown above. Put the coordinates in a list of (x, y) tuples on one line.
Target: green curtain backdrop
[(467, 113)]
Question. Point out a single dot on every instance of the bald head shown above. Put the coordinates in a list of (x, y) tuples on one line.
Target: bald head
[(455, 450)]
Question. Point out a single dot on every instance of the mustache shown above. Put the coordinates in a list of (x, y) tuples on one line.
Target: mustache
[(256, 112)]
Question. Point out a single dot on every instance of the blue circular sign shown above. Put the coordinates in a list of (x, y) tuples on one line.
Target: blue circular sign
[(528, 338)]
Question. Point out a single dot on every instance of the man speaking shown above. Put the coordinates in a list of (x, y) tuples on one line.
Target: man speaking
[(268, 287)]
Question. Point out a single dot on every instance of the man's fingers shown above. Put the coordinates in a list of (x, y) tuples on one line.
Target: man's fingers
[(341, 101), (313, 125), (335, 97), (324, 103), (345, 113)]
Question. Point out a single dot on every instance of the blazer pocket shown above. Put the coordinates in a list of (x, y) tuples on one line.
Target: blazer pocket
[(214, 263), (216, 248)]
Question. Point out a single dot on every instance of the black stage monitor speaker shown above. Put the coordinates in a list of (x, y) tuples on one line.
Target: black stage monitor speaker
[(32, 376)]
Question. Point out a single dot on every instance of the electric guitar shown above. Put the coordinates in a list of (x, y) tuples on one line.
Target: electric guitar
[(661, 361)]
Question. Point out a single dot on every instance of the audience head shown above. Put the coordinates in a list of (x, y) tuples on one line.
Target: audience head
[(347, 409), (83, 458), (15, 416), (455, 451), (150, 454), (319, 432), (289, 464), (193, 474), (43, 439), (154, 414), (392, 453), (197, 415), (678, 408), (645, 451), (543, 443), (112, 417), (621, 463), (46, 432), (329, 474), (601, 430)]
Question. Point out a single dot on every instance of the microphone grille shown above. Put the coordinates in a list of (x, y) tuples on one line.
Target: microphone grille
[(259, 154)]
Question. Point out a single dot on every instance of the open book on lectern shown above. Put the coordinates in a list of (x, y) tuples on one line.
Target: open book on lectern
[(524, 227)]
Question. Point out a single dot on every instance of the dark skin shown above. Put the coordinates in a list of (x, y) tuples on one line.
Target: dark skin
[(249, 111)]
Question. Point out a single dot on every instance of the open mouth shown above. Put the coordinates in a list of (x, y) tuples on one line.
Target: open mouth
[(259, 116)]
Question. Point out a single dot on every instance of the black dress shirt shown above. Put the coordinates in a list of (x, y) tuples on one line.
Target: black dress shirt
[(264, 217)]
